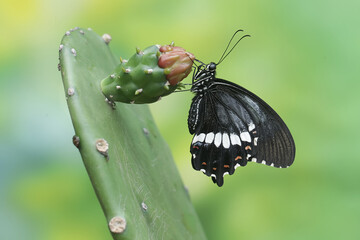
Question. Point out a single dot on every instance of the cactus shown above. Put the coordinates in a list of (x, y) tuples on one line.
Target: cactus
[(148, 75), (127, 160)]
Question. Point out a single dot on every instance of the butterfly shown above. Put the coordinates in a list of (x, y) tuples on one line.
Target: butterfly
[(232, 126)]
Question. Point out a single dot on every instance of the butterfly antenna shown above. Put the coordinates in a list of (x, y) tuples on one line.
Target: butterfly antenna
[(240, 30), (225, 54)]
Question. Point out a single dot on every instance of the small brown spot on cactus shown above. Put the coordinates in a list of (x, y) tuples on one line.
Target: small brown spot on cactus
[(59, 66), (67, 33), (118, 87), (76, 141), (82, 32), (144, 206), (70, 91), (102, 146), (117, 225), (107, 38), (138, 91), (61, 47), (73, 51)]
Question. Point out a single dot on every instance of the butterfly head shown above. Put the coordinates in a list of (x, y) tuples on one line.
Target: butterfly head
[(211, 67), (205, 71), (203, 77)]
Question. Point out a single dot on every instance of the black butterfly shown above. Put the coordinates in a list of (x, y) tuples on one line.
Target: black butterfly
[(233, 126)]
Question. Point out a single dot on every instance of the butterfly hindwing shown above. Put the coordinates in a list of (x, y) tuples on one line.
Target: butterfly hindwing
[(232, 126)]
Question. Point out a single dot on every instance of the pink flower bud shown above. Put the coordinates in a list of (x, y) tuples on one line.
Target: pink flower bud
[(177, 63)]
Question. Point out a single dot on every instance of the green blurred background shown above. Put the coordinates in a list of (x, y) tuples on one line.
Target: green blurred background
[(302, 58)]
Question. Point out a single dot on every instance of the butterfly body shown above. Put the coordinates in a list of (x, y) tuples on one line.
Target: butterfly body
[(232, 127)]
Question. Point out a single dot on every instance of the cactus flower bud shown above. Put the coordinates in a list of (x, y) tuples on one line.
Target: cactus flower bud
[(148, 75), (178, 61)]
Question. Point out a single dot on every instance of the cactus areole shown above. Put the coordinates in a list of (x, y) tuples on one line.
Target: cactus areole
[(148, 75)]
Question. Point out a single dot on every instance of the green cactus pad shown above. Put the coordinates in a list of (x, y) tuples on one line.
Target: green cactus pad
[(128, 162)]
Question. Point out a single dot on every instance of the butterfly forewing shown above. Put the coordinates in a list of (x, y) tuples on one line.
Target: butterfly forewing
[(232, 126), (275, 144)]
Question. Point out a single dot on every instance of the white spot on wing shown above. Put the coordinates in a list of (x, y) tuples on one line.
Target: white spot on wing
[(248, 156), (251, 127), (209, 137), (255, 141), (225, 173), (254, 160), (203, 170), (226, 140), (235, 139), (194, 156), (272, 165), (263, 162), (237, 165), (217, 141), (213, 175), (245, 136), (199, 138)]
